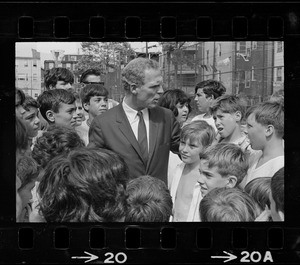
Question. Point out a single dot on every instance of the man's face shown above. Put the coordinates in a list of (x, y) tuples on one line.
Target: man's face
[(225, 123), (147, 95), (256, 133), (203, 103), (210, 178), (61, 85), (32, 121), (97, 105), (66, 115), (190, 151)]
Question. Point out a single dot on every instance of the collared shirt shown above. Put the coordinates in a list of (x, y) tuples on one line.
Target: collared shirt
[(134, 119)]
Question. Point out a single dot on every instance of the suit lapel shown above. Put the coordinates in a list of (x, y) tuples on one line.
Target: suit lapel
[(126, 130)]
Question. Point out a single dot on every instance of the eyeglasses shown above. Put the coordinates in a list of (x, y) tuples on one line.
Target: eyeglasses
[(96, 83)]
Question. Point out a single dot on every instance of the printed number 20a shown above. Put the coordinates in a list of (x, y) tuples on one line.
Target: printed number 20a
[(255, 256), (119, 257)]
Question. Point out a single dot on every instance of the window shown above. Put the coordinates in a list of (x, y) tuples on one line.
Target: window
[(247, 78), (22, 77), (17, 63), (254, 45), (34, 77), (238, 44), (219, 76), (207, 56), (68, 65), (26, 63), (279, 46), (73, 58), (51, 65), (248, 48), (34, 63), (279, 74), (253, 74)]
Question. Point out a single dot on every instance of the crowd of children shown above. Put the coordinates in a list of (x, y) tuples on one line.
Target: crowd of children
[(230, 165)]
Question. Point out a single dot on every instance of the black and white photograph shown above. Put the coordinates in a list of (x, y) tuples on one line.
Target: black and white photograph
[(149, 131)]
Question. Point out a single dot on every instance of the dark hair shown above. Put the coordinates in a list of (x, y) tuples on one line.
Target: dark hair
[(21, 135), (170, 98), (277, 189), (227, 205), (27, 170), (30, 102), (229, 104), (58, 74), (20, 97), (51, 100), (54, 141), (149, 200), (92, 90), (81, 187), (259, 189), (269, 113), (87, 73), (211, 88)]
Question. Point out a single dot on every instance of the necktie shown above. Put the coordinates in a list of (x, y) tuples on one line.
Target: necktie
[(142, 137)]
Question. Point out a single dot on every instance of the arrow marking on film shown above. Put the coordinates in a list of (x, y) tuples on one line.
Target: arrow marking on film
[(89, 258), (228, 258)]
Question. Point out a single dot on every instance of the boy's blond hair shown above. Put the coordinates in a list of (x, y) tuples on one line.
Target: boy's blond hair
[(229, 104), (229, 159)]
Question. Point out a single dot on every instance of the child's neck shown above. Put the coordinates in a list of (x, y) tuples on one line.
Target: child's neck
[(89, 120), (273, 148), (192, 166), (236, 134)]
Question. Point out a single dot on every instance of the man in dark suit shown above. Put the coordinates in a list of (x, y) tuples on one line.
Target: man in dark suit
[(146, 152)]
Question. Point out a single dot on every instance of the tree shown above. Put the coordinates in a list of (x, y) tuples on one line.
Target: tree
[(104, 56)]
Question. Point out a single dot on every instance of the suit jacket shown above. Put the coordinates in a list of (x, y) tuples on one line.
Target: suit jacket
[(111, 130)]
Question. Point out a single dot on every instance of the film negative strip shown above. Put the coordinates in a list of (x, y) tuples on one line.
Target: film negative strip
[(143, 243)]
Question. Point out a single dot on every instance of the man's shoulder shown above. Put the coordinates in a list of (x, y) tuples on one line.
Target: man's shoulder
[(108, 114)]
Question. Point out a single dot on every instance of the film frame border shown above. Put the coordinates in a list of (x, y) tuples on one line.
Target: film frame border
[(72, 27)]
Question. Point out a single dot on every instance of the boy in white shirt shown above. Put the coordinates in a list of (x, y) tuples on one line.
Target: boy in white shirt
[(265, 127), (194, 137)]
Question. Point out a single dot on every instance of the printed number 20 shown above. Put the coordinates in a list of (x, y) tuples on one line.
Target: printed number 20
[(255, 256), (119, 257)]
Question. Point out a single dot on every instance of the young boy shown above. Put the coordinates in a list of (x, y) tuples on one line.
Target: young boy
[(228, 205), (194, 137), (94, 102), (265, 127), (149, 200), (228, 112), (58, 107), (58, 78), (31, 118), (221, 165), (277, 196), (205, 93)]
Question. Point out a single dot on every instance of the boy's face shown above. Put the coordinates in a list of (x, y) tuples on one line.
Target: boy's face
[(25, 193), (210, 178), (190, 151), (79, 111), (203, 103), (226, 123), (256, 133), (61, 85), (32, 121), (66, 115), (97, 105), (275, 215)]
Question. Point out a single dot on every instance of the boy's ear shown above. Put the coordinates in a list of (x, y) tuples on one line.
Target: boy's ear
[(86, 106), (238, 115), (281, 215), (231, 181), (50, 116), (269, 130)]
